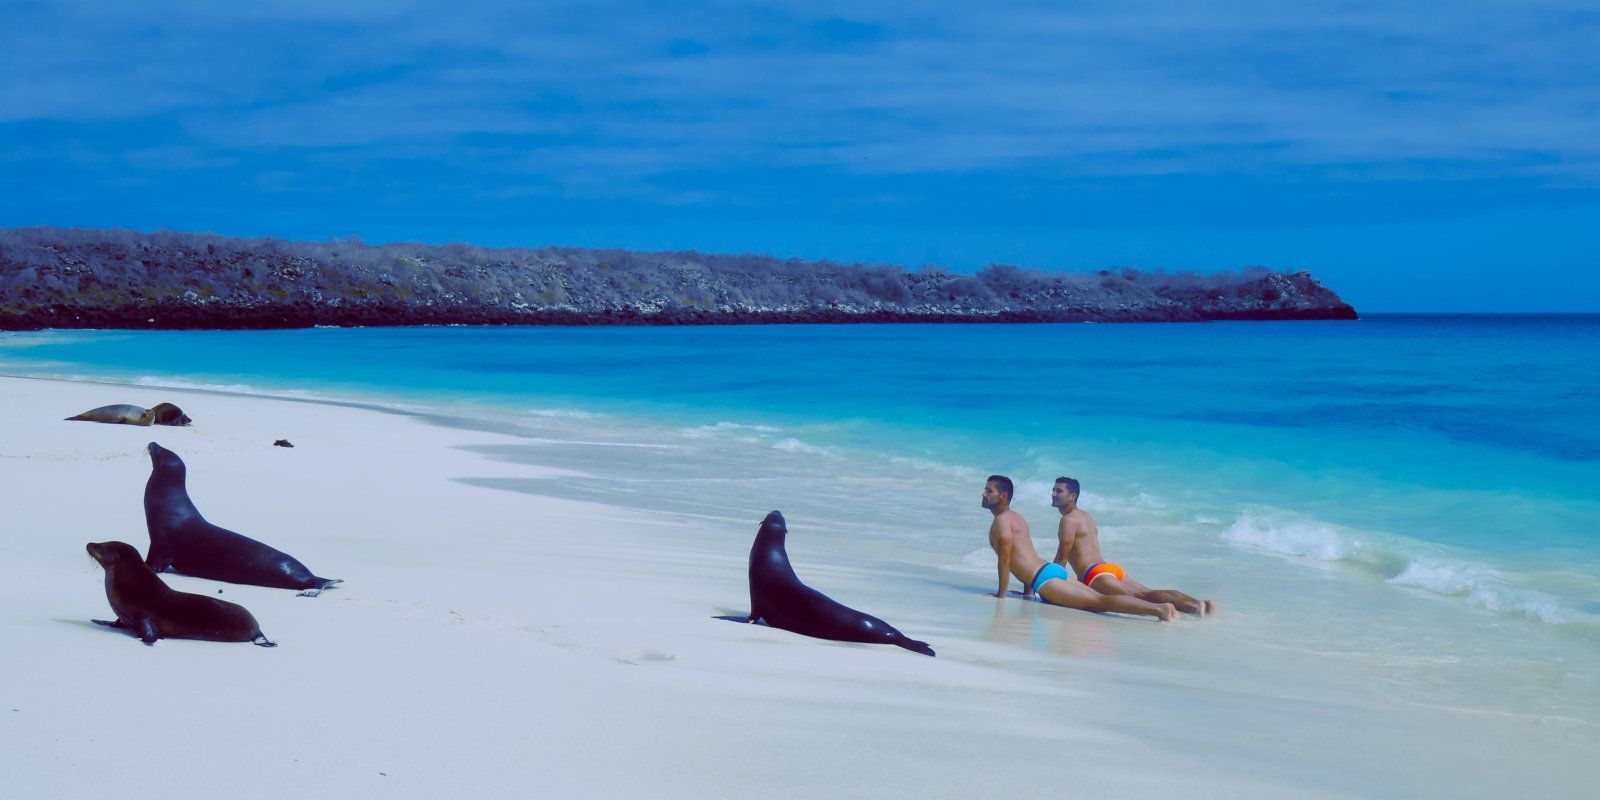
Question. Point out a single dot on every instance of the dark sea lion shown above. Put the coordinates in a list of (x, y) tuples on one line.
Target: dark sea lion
[(778, 597), (181, 540), (149, 609), (169, 414), (118, 415)]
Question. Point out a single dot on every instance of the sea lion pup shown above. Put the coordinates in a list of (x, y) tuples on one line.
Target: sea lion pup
[(147, 608), (121, 414), (778, 596), (181, 540), (169, 414)]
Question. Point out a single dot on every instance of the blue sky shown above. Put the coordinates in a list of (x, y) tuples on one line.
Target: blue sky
[(1414, 156)]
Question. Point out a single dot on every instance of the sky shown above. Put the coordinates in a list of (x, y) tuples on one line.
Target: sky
[(1438, 156)]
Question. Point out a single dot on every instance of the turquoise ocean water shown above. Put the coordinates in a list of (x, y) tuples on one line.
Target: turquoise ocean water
[(1408, 487)]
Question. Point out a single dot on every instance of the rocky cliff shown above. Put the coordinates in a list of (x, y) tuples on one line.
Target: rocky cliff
[(77, 278)]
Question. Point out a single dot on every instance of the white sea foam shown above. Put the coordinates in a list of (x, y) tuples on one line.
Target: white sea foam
[(1294, 538), (796, 446)]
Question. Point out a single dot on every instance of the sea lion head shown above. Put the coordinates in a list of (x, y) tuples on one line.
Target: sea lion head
[(110, 554), (162, 459), (169, 414), (775, 523)]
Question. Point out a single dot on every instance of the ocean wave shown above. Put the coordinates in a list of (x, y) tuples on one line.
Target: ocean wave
[(725, 427), (1483, 587), (1308, 539), (563, 413), (936, 466), (229, 388), (1400, 562), (979, 560), (282, 394)]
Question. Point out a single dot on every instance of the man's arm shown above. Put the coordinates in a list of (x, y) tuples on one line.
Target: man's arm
[(1003, 549), (1064, 536)]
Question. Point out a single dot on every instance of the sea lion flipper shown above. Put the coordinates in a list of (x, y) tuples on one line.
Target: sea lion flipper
[(327, 583), (146, 629), (111, 623), (263, 641)]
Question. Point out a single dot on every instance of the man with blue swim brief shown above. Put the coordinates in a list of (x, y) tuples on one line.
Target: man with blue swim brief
[(1013, 545), (1079, 548)]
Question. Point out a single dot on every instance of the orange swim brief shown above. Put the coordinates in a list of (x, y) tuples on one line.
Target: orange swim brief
[(1101, 570)]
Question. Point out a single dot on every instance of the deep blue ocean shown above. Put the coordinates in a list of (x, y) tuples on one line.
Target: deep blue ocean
[(1453, 456)]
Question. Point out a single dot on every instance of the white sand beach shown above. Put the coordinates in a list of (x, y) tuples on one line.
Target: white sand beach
[(492, 643)]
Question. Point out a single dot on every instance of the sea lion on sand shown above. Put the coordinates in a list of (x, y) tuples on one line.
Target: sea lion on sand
[(778, 597), (169, 414), (121, 414), (147, 608), (181, 540), (124, 414)]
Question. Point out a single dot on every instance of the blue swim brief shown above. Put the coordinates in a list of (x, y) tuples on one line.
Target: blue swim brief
[(1049, 572)]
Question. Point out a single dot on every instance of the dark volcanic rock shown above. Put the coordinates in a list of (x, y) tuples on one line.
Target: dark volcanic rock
[(74, 278)]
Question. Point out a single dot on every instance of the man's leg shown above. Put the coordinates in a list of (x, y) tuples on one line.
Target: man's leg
[(1075, 595), (1108, 584)]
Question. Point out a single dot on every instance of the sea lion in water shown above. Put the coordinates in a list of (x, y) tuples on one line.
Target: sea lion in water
[(121, 414), (124, 414), (149, 609), (181, 540), (778, 597)]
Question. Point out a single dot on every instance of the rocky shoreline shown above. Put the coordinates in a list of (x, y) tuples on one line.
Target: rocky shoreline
[(78, 278)]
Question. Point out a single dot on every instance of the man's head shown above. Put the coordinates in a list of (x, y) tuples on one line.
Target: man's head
[(997, 492), (1064, 495)]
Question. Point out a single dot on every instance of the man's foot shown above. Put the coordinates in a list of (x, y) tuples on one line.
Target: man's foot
[(1166, 611), (1208, 607)]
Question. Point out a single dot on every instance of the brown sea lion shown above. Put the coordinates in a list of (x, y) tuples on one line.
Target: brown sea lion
[(122, 414), (147, 608), (169, 414)]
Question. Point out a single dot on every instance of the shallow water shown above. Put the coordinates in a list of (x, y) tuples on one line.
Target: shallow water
[(1411, 495)]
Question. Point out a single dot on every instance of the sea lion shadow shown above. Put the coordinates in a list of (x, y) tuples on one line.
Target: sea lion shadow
[(740, 618)]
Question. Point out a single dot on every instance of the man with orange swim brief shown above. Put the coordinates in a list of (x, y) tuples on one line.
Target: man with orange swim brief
[(1013, 546), (1079, 548)]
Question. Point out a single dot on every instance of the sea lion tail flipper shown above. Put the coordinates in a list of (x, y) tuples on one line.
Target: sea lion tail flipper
[(146, 630), (109, 623), (261, 640), (322, 583), (914, 645)]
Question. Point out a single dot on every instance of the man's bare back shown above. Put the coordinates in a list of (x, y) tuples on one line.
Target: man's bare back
[(1016, 556), (1078, 547)]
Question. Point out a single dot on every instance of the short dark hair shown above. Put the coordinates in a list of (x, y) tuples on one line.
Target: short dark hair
[(1003, 483), (1072, 484)]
